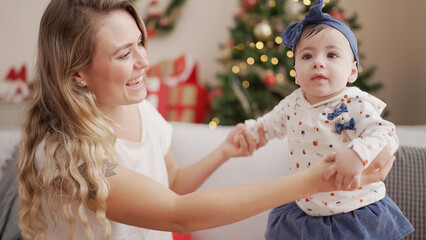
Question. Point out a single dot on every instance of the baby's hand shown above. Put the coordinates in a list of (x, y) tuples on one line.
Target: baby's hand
[(348, 168)]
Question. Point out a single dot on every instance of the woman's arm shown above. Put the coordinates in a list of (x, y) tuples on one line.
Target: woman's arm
[(137, 200), (185, 180)]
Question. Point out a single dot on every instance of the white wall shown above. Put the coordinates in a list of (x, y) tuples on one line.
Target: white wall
[(391, 38)]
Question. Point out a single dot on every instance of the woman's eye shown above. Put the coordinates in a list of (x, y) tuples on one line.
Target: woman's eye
[(125, 55)]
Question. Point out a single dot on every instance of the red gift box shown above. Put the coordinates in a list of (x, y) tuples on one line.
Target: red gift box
[(158, 94), (187, 102), (173, 89)]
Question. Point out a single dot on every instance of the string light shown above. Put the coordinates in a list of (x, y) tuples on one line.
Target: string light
[(245, 84), (307, 2), (216, 120), (274, 61), (290, 54), (239, 47), (235, 69), (360, 69), (252, 45), (243, 66), (292, 73), (272, 4), (259, 45), (263, 58), (278, 40), (280, 77), (212, 125), (250, 61)]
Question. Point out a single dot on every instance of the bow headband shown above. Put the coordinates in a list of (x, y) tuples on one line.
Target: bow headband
[(292, 33)]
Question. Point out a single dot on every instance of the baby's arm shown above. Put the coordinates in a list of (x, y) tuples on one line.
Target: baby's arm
[(375, 134), (348, 168), (273, 124)]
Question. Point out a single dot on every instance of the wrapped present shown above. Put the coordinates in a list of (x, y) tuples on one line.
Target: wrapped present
[(173, 72), (187, 103), (173, 88), (157, 94)]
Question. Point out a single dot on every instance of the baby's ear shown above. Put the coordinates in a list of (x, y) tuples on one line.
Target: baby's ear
[(354, 73)]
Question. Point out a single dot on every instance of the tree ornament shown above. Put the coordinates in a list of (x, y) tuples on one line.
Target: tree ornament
[(295, 10), (263, 30), (269, 79), (225, 54), (248, 4), (337, 15)]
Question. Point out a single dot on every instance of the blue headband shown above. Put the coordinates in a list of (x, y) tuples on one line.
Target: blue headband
[(292, 33)]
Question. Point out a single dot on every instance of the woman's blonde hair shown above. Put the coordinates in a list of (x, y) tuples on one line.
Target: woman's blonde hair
[(77, 138)]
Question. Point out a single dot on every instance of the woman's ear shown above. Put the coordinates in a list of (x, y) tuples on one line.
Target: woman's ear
[(79, 79), (354, 73)]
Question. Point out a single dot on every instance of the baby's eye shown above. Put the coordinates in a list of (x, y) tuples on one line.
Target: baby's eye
[(332, 55), (307, 56)]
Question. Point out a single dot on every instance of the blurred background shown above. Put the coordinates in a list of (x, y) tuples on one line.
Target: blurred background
[(207, 65)]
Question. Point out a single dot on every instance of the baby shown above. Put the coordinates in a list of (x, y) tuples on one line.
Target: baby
[(325, 116)]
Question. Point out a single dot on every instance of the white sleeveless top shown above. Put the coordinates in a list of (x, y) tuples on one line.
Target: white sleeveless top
[(145, 157)]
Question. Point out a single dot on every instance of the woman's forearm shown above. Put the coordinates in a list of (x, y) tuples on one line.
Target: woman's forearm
[(213, 208), (188, 179), (148, 204)]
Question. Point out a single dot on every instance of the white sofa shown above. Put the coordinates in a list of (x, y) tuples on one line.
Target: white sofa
[(192, 141)]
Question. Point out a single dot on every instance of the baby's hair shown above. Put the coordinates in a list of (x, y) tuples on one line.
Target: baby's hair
[(312, 30)]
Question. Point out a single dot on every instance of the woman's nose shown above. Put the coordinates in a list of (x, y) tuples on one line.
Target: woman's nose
[(141, 58)]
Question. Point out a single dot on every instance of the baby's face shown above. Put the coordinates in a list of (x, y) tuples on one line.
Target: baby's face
[(324, 64)]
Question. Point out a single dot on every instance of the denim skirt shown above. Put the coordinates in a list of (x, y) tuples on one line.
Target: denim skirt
[(379, 220)]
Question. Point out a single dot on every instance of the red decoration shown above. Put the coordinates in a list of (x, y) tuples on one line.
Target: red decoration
[(337, 15), (240, 13), (269, 79), (248, 4), (213, 94), (188, 101), (181, 237), (13, 76), (157, 94), (173, 88)]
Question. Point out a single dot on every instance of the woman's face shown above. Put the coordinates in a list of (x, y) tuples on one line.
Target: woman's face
[(119, 62)]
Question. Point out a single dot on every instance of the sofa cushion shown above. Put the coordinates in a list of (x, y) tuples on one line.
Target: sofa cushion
[(9, 199), (406, 185)]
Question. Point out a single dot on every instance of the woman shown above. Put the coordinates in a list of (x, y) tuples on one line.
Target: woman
[(95, 161)]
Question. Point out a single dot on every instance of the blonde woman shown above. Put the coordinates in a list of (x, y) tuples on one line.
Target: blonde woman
[(95, 161)]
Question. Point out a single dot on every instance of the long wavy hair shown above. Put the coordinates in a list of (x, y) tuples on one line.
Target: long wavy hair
[(64, 116)]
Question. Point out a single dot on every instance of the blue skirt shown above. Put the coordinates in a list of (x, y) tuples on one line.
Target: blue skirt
[(380, 220)]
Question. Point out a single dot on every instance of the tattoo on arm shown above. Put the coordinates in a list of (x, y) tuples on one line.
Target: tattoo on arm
[(109, 169)]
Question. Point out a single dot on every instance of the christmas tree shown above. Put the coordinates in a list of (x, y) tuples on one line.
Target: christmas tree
[(258, 68)]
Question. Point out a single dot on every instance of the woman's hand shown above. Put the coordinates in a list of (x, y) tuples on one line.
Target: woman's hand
[(240, 142)]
